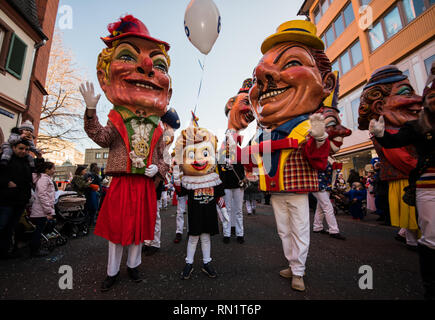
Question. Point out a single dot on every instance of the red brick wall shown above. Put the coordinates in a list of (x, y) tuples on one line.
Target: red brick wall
[(47, 12)]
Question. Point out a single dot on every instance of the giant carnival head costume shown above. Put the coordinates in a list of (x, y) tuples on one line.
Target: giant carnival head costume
[(388, 93), (293, 77), (195, 151), (334, 128), (238, 108), (133, 69)]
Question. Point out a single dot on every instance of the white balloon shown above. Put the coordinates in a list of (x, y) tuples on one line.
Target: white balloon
[(202, 24)]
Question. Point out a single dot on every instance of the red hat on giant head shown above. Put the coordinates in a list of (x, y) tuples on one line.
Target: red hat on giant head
[(129, 26)]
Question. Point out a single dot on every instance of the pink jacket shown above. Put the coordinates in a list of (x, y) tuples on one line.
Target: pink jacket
[(44, 197)]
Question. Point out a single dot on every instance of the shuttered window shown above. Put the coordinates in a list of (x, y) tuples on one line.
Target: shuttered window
[(16, 56)]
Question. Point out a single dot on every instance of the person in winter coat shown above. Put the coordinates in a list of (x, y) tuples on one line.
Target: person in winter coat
[(15, 192), (356, 195), (79, 184), (42, 206)]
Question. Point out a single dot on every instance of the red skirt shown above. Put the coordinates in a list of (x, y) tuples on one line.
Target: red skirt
[(128, 213)]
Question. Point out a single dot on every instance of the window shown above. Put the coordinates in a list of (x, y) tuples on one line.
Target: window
[(342, 116), (345, 62), (406, 73), (348, 15), (330, 36), (98, 155), (16, 56), (376, 36), (335, 66), (400, 15), (105, 155), (355, 105), (349, 59), (365, 2), (428, 63), (413, 8), (2, 36), (339, 26), (392, 22), (317, 15), (5, 39), (325, 6), (343, 19), (355, 51), (324, 40)]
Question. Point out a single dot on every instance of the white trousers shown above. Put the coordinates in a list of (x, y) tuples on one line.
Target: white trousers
[(324, 209), (250, 205), (205, 246), (293, 223), (409, 235), (425, 201), (181, 208), (164, 199), (115, 256), (157, 229), (234, 205)]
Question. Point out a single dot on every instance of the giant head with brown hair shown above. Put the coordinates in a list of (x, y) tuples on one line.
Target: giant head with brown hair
[(389, 93)]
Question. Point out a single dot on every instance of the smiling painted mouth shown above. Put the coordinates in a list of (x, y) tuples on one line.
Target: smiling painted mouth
[(199, 165), (272, 93), (143, 84)]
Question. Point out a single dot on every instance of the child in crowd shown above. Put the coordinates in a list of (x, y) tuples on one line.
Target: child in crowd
[(356, 195), (25, 132), (195, 151)]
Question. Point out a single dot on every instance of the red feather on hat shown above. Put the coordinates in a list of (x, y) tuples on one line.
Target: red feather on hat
[(115, 25)]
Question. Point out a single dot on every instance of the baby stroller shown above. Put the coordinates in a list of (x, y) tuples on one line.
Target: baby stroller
[(71, 213), (339, 201), (50, 237)]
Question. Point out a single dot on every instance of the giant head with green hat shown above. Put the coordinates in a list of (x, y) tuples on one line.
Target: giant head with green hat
[(294, 75)]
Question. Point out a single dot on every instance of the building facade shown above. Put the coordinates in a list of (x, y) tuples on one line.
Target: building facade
[(363, 35), (26, 28), (97, 155)]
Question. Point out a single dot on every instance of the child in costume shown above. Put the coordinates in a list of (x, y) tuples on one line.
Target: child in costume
[(24, 131), (133, 73), (195, 152)]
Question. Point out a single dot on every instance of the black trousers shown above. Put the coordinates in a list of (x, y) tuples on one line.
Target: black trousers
[(35, 242), (9, 217)]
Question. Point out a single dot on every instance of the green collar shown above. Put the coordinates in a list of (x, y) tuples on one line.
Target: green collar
[(127, 115)]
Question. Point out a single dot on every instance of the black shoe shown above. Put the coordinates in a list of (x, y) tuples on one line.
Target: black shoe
[(134, 274), (208, 270), (249, 214), (321, 231), (109, 282), (184, 212), (233, 231), (337, 236), (151, 250), (241, 240), (40, 253), (226, 239), (145, 248), (187, 271), (178, 237), (412, 248), (400, 238)]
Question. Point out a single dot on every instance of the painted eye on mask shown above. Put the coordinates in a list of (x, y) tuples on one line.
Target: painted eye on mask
[(191, 155), (405, 91), (126, 57), (331, 124), (292, 63), (161, 65), (205, 153)]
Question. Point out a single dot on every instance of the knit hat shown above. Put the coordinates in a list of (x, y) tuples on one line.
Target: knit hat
[(26, 125), (171, 118)]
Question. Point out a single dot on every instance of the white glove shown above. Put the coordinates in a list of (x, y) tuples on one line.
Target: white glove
[(377, 128), (176, 172), (87, 91), (317, 130), (151, 171)]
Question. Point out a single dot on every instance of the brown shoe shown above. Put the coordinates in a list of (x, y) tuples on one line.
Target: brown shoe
[(286, 273), (298, 283)]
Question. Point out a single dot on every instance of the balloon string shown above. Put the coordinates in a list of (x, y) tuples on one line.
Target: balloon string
[(200, 83)]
